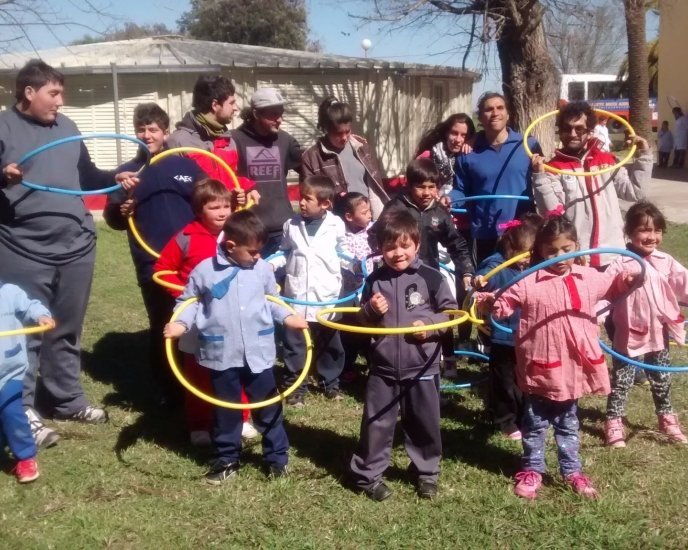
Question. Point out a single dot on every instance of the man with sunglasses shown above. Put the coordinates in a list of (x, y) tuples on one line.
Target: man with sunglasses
[(591, 202), (266, 154)]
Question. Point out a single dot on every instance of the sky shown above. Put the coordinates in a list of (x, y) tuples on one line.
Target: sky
[(330, 21)]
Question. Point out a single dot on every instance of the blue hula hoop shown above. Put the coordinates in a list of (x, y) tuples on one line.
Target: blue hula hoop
[(568, 256), (466, 385), (486, 198), (80, 137), (635, 363), (349, 298)]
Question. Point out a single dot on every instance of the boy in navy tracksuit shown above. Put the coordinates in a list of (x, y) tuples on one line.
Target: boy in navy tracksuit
[(234, 340), (404, 369)]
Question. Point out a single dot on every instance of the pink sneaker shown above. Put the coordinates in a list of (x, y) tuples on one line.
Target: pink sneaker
[(668, 424), (527, 484), (581, 484), (26, 470), (614, 435)]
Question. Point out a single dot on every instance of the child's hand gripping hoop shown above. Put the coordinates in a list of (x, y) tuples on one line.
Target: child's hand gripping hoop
[(627, 158), (319, 315), (25, 330), (486, 198), (466, 385), (228, 404), (70, 139), (176, 151), (576, 254)]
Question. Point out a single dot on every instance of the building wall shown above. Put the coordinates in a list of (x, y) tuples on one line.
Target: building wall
[(673, 45), (391, 110)]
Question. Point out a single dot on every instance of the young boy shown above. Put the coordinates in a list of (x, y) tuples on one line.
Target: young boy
[(665, 144), (404, 369), (211, 204), (234, 341), (162, 206), (15, 310), (311, 242)]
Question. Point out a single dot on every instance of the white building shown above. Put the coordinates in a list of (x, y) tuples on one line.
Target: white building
[(394, 103)]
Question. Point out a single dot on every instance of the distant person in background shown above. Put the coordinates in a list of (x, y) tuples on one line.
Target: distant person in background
[(601, 132), (344, 157), (665, 144), (680, 137)]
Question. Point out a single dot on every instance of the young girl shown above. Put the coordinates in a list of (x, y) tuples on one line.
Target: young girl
[(211, 203), (644, 320), (505, 398), (558, 356)]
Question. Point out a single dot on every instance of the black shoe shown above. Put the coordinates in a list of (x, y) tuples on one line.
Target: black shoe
[(334, 394), (221, 472), (296, 400), (427, 489), (278, 471), (378, 492)]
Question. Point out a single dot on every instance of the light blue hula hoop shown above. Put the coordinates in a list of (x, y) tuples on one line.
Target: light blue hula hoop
[(568, 256), (486, 198), (349, 298), (466, 385), (635, 363), (80, 137)]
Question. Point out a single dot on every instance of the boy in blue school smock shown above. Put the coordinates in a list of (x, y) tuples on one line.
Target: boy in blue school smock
[(234, 340)]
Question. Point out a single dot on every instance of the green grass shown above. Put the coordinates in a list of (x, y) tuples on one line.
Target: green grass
[(135, 483)]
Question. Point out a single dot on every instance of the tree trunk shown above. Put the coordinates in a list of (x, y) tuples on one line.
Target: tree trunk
[(529, 77), (638, 77)]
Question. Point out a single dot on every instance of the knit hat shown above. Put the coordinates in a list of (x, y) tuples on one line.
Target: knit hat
[(266, 97)]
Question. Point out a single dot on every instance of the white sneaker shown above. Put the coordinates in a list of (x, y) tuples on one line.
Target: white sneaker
[(248, 431), (87, 415), (42, 435), (200, 438)]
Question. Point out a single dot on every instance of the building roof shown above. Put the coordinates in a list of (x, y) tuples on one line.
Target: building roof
[(174, 53)]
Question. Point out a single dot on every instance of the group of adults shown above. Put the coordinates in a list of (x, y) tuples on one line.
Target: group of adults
[(47, 240)]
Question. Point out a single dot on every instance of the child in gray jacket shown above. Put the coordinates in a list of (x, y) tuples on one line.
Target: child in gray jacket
[(404, 369), (234, 340)]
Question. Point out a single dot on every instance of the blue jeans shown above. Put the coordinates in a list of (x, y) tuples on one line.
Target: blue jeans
[(268, 421), (539, 413), (14, 425)]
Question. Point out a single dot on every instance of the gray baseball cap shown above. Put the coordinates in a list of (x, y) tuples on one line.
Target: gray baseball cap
[(267, 97)]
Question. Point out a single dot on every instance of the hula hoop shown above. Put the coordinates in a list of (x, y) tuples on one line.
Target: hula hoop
[(349, 298), (228, 404), (162, 282), (635, 363), (554, 170), (164, 154), (80, 137), (462, 316), (466, 385), (25, 330), (568, 256), (486, 198)]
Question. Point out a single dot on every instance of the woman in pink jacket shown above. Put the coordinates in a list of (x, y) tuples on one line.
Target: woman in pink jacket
[(558, 355), (645, 320)]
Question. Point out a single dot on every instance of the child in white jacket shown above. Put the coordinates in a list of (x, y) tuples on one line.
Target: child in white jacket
[(312, 241)]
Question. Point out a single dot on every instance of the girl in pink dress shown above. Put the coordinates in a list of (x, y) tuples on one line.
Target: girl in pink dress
[(558, 356), (644, 321)]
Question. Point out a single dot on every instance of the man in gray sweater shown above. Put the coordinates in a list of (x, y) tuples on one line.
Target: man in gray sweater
[(47, 241)]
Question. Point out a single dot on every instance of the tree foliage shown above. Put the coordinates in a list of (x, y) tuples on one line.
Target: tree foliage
[(129, 31), (273, 23)]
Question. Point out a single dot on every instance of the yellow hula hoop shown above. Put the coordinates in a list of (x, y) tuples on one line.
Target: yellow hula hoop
[(25, 330), (157, 278), (462, 316), (175, 151), (549, 168), (470, 307), (228, 404)]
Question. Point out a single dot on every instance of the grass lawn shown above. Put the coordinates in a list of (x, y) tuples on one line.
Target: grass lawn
[(136, 483)]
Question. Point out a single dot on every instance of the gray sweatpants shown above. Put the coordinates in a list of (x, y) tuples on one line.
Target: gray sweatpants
[(419, 403), (56, 356)]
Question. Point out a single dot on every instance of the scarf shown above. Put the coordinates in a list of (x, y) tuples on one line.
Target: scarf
[(443, 163), (213, 128)]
